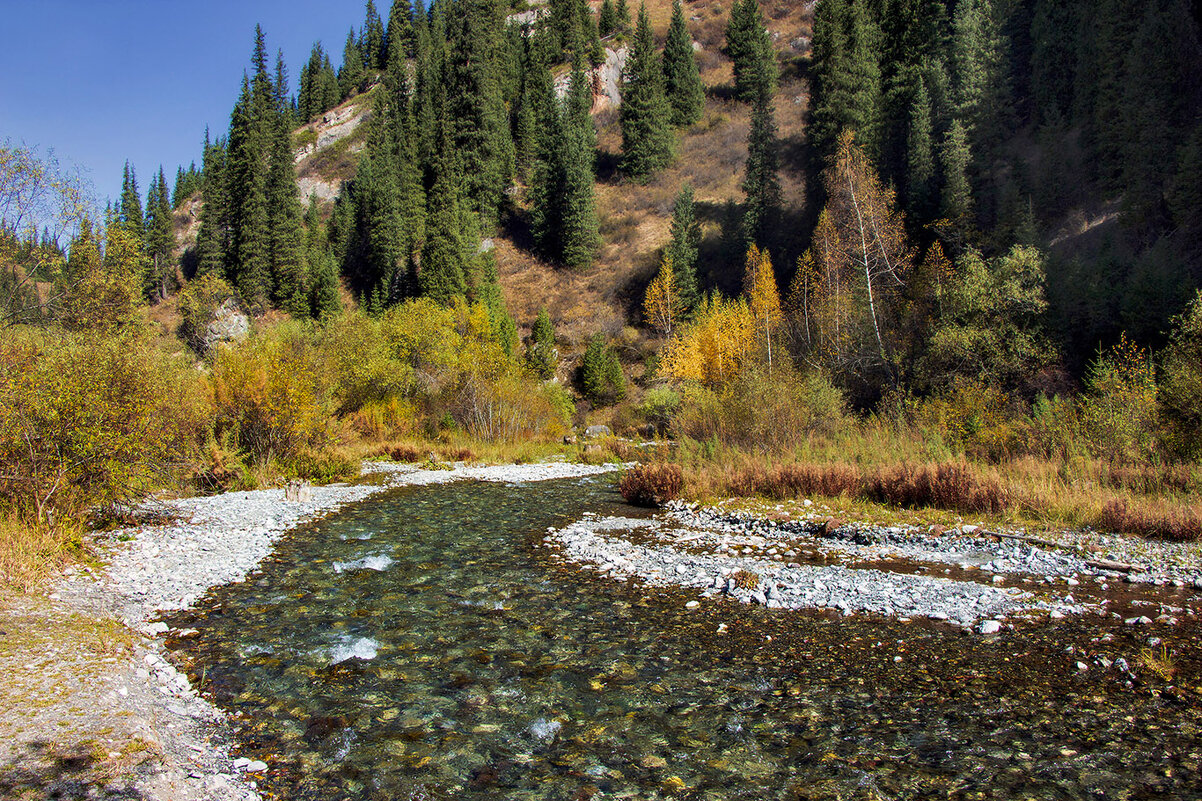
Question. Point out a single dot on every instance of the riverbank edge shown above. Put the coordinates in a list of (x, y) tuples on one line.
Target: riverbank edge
[(187, 547)]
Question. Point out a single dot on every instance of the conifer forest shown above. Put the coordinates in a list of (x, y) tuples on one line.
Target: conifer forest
[(888, 311)]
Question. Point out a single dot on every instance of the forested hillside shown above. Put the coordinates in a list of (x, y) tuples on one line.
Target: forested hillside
[(968, 229)]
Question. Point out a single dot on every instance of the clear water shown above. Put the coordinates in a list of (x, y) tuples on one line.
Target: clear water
[(420, 646)]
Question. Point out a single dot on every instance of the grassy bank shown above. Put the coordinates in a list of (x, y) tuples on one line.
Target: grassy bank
[(868, 474)]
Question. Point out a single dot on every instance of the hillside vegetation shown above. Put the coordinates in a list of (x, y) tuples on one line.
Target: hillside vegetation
[(898, 252)]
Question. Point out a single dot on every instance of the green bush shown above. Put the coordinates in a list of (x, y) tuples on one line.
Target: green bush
[(761, 410), (271, 397), (601, 373), (1181, 385), (93, 420), (660, 405), (198, 305), (1118, 410)]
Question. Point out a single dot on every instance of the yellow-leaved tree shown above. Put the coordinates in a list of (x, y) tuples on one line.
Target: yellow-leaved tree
[(662, 305), (763, 298), (861, 263), (715, 345)]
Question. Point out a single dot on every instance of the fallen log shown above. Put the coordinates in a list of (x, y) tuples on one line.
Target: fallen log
[(1119, 567)]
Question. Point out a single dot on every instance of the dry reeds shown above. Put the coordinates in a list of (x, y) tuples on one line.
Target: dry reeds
[(1159, 519), (652, 484)]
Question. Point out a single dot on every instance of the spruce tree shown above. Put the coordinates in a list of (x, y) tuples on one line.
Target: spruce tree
[(607, 20), (129, 212), (475, 108), (443, 275), (622, 14), (761, 182), (847, 76), (371, 38), (645, 116), (955, 157), (682, 81), (289, 290), (684, 248), (920, 155), (213, 235), (160, 240), (411, 192), (400, 42), (750, 48), (541, 353), (547, 181), (578, 214), (350, 75)]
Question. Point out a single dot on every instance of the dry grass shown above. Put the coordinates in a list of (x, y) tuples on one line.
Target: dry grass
[(28, 554), (1157, 518), (857, 466), (1158, 662), (652, 484)]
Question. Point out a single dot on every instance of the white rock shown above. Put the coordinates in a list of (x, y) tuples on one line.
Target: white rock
[(989, 627), (1142, 620)]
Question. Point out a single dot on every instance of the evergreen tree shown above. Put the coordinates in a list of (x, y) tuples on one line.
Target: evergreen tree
[(371, 38), (955, 157), (475, 108), (318, 86), (400, 41), (578, 215), (607, 20), (212, 238), (187, 184), (682, 81), (601, 373), (250, 142), (350, 75), (920, 155), (443, 275), (622, 15), (547, 181), (645, 116), (847, 79), (750, 47), (129, 211), (411, 193), (684, 248), (283, 209), (324, 300), (761, 183), (541, 353), (160, 241)]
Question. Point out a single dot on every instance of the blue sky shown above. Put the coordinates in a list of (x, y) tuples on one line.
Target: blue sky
[(102, 81)]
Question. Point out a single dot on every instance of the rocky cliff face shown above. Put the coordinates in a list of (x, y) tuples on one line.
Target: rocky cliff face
[(607, 80)]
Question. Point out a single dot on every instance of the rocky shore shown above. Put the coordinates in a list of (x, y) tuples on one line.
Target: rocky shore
[(965, 577), (196, 544)]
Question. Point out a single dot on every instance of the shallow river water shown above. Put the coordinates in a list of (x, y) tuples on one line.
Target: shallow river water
[(420, 645)]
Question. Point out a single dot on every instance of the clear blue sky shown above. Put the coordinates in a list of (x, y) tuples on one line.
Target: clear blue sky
[(102, 81)]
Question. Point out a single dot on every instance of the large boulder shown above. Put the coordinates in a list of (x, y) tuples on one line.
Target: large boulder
[(229, 324)]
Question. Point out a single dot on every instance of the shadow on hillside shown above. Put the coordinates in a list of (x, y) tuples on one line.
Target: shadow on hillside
[(45, 771)]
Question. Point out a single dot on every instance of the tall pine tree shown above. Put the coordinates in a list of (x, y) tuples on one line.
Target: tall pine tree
[(684, 248), (761, 182), (129, 211), (750, 47), (682, 81), (645, 116), (160, 241)]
